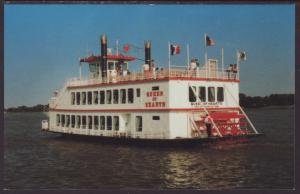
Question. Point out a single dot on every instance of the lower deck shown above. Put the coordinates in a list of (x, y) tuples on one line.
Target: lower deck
[(147, 125)]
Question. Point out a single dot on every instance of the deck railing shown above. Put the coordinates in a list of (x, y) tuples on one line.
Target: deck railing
[(152, 75)]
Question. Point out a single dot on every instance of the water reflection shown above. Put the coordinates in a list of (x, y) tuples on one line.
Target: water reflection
[(204, 169), (34, 160)]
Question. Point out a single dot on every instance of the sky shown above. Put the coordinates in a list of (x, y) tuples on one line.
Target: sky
[(43, 43)]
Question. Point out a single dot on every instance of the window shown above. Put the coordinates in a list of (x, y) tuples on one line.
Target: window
[(116, 123), (130, 95), (96, 97), (90, 122), (155, 88), (123, 96), (102, 97), (83, 122), (192, 96), (211, 94), (138, 123), (220, 94), (78, 121), (73, 98), (116, 96), (202, 94), (96, 122), (73, 121), (83, 94), (110, 65), (102, 122), (138, 92), (90, 98), (93, 67), (108, 96), (63, 120), (78, 98), (122, 64), (155, 118), (108, 122), (68, 121), (58, 120)]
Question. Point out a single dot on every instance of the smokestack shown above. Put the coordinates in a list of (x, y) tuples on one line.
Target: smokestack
[(103, 55), (148, 53)]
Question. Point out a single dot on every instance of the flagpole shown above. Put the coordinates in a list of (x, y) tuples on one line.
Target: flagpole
[(80, 71), (205, 55), (169, 55), (188, 55), (237, 62), (222, 63), (117, 45)]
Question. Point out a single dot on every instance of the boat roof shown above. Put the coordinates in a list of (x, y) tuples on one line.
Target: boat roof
[(96, 58)]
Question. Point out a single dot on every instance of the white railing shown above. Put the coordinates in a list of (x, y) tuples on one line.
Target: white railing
[(152, 75)]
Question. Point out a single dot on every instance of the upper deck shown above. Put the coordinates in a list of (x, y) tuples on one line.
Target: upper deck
[(156, 75), (112, 69)]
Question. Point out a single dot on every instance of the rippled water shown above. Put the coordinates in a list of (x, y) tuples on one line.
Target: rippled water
[(35, 160)]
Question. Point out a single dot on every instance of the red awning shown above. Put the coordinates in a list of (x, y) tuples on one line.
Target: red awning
[(109, 57)]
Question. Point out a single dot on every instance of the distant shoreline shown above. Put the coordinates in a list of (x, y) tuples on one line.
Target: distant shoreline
[(271, 101), (265, 107)]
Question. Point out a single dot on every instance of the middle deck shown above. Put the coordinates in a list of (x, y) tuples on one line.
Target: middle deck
[(175, 90)]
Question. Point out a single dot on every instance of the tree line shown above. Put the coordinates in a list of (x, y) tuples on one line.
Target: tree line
[(271, 100), (245, 101), (36, 108)]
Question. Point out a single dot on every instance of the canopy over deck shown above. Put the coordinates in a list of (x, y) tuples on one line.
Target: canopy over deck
[(97, 58)]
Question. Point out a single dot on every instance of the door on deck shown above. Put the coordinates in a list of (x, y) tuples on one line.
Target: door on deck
[(127, 123)]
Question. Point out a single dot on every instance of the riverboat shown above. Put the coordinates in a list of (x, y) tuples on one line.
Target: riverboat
[(153, 104)]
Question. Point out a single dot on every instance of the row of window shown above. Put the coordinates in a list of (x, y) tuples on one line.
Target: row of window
[(88, 122), (95, 122), (116, 96), (211, 91)]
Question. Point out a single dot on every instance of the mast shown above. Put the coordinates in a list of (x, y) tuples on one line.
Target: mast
[(187, 55), (80, 71), (117, 45), (205, 55), (222, 63), (169, 56)]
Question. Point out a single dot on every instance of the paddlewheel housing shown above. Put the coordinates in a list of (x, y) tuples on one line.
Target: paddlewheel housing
[(233, 123)]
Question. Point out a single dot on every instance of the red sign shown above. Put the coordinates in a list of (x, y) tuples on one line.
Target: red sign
[(155, 104), (155, 93), (154, 99)]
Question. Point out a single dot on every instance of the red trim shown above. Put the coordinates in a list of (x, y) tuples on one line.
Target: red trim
[(140, 110), (152, 80), (203, 79)]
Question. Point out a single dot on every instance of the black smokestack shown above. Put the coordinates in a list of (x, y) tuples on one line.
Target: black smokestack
[(148, 53), (103, 55)]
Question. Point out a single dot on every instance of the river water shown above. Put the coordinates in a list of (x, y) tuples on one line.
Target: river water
[(37, 160)]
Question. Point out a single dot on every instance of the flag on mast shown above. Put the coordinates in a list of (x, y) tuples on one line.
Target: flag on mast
[(174, 49), (126, 48), (242, 56), (209, 41)]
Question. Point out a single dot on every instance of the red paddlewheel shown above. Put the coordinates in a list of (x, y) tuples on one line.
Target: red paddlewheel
[(228, 123)]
